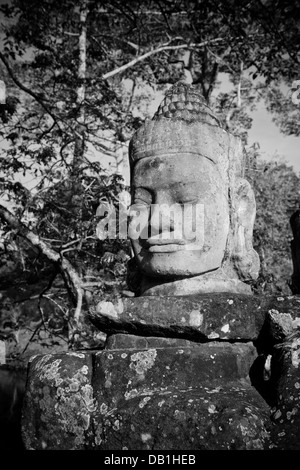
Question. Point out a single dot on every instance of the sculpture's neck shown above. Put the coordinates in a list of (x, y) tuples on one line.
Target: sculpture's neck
[(215, 281)]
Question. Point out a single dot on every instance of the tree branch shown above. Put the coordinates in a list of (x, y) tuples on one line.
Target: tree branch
[(27, 90), (239, 98), (129, 43), (165, 47), (220, 58), (71, 34), (213, 79), (71, 278)]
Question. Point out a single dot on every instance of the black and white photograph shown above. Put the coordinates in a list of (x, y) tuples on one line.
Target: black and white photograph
[(150, 228)]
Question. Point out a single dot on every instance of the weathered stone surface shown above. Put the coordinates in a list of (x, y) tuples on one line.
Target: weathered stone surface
[(167, 392), (59, 402), (145, 399), (285, 379), (198, 318), (232, 416), (286, 304), (132, 371), (280, 325), (125, 341), (202, 318), (281, 320)]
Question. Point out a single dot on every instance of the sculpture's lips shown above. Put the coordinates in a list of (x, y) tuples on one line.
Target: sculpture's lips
[(160, 245), (165, 248), (164, 241)]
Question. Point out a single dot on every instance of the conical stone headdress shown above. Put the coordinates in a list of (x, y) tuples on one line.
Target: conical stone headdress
[(185, 123)]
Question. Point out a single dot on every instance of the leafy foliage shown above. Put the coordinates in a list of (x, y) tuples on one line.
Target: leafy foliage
[(277, 193), (286, 112)]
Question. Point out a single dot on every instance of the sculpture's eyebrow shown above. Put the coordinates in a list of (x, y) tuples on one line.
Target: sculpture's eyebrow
[(176, 157)]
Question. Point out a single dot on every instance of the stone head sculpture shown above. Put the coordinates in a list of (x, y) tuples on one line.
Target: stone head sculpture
[(182, 159)]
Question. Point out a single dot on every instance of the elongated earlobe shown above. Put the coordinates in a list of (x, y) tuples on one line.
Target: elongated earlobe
[(244, 257)]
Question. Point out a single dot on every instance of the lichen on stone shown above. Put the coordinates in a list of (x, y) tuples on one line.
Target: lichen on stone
[(49, 372), (131, 394), (213, 335), (143, 360), (146, 437), (116, 425), (144, 402), (98, 434), (88, 397), (294, 346), (225, 328), (196, 318), (212, 409), (180, 415), (75, 354)]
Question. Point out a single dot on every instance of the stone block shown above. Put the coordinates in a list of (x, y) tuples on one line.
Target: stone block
[(59, 402), (231, 416), (285, 379), (202, 318), (184, 396), (198, 318)]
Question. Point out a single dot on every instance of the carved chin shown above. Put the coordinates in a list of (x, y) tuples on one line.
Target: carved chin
[(178, 264)]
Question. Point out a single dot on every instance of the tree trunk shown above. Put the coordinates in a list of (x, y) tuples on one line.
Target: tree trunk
[(79, 147)]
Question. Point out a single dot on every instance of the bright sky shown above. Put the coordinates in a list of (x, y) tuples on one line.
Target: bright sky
[(272, 142), (274, 145)]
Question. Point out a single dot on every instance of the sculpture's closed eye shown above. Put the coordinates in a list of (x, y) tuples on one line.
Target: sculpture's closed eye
[(142, 196)]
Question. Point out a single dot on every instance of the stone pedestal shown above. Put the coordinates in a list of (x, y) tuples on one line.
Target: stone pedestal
[(154, 394), (167, 393)]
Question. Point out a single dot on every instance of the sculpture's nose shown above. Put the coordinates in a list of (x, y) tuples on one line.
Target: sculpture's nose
[(161, 219)]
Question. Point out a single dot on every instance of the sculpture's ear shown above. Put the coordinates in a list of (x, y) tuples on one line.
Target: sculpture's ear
[(244, 257)]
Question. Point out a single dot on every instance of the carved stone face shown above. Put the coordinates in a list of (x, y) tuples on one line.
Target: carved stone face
[(182, 207), (192, 223)]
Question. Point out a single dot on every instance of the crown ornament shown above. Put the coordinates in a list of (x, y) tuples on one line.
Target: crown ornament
[(185, 102), (184, 123)]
